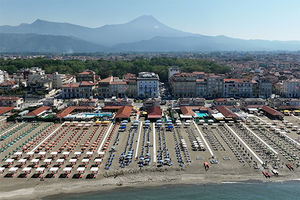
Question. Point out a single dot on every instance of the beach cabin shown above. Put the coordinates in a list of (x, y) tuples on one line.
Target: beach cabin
[(2, 170), (65, 154), (77, 154), (89, 154), (80, 170), (18, 154), (53, 170), (9, 161), (53, 154), (60, 161), (98, 161), (85, 161), (40, 170), (67, 170), (94, 170), (48, 161), (13, 170), (27, 170)]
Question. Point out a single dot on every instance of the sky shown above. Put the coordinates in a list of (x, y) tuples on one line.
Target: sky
[(246, 19)]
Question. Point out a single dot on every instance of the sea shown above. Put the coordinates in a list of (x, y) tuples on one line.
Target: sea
[(225, 191)]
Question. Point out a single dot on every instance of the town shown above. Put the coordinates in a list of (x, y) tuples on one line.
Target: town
[(86, 126)]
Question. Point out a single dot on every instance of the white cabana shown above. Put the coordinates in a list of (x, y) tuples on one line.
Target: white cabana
[(98, 160), (85, 160), (94, 170), (9, 160), (35, 161), (54, 153), (18, 153), (73, 161), (218, 116), (13, 169), (22, 161), (27, 170), (67, 170), (42, 153), (89, 153), (53, 169), (77, 153), (101, 153), (40, 170), (2, 169), (48, 161), (66, 153), (60, 160), (30, 153), (80, 170)]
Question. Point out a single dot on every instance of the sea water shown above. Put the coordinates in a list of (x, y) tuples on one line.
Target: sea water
[(224, 191)]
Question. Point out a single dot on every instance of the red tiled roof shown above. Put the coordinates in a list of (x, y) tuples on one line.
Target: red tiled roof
[(124, 112), (37, 111), (226, 112), (154, 112), (111, 107), (9, 98), (118, 83), (5, 109), (70, 109), (7, 83), (220, 100), (86, 83), (106, 80), (271, 111), (71, 85), (186, 110)]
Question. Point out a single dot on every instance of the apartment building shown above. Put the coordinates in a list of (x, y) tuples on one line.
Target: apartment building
[(87, 75), (84, 89), (291, 88), (237, 88), (147, 85)]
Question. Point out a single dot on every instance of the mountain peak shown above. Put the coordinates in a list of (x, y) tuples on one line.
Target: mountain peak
[(145, 19), (39, 21)]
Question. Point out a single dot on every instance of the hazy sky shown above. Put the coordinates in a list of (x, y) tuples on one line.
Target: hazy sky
[(249, 19)]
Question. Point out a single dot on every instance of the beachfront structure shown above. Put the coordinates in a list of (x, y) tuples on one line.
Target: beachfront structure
[(291, 88), (237, 88), (148, 85), (83, 89)]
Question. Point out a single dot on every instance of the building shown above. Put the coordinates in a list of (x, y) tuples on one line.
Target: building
[(112, 86), (58, 80), (87, 75), (237, 88), (148, 85), (3, 76), (173, 70), (11, 101), (215, 86), (131, 81), (7, 86), (291, 88), (83, 89), (183, 85), (39, 83)]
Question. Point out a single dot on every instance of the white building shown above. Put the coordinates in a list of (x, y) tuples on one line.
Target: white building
[(3, 76), (173, 70), (148, 85), (291, 88)]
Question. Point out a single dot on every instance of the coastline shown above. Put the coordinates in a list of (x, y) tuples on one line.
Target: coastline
[(153, 179)]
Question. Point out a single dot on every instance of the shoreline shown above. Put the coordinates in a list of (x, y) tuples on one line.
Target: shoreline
[(48, 189)]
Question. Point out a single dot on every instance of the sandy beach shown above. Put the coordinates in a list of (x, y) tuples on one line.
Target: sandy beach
[(35, 189)]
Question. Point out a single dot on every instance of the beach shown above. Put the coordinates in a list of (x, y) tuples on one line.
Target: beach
[(30, 189)]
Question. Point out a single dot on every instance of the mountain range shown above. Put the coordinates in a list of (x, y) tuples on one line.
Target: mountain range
[(143, 34)]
